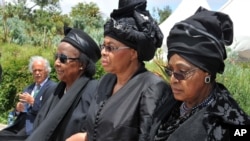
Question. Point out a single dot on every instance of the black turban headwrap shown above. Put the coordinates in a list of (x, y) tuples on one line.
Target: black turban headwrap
[(83, 42), (201, 40), (133, 25)]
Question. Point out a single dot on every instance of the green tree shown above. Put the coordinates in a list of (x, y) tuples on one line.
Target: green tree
[(164, 13), (7, 12), (46, 3), (86, 15)]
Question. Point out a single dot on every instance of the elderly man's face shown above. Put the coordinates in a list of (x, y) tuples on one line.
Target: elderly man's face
[(39, 71)]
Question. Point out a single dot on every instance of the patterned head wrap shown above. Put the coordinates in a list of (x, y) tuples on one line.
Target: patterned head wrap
[(133, 25), (201, 39)]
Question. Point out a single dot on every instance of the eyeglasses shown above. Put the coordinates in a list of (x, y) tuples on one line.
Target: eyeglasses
[(179, 75), (63, 58), (112, 49)]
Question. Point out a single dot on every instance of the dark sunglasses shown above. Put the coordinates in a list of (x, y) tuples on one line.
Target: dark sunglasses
[(179, 75), (111, 49), (63, 58)]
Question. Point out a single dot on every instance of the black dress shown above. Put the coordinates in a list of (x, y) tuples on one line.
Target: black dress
[(127, 114), (64, 113)]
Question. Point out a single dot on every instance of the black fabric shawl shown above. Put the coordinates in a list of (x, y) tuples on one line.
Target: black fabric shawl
[(207, 124), (51, 115)]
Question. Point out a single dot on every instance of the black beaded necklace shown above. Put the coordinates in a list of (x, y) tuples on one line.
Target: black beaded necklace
[(184, 109)]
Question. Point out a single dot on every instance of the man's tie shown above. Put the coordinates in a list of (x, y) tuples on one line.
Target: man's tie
[(36, 90)]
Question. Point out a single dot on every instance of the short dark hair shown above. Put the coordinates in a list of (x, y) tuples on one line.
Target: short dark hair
[(90, 68)]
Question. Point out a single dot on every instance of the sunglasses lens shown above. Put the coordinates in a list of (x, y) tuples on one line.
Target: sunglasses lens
[(179, 76), (108, 48), (169, 72), (62, 58)]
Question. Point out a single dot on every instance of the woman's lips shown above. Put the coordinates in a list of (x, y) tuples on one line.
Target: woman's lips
[(176, 91), (104, 63)]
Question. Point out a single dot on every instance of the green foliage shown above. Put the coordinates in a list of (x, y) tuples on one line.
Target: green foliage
[(46, 3), (21, 25), (164, 13), (158, 64), (17, 30), (86, 15), (99, 70), (18, 10), (236, 78)]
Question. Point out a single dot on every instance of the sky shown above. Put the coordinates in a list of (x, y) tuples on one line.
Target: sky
[(107, 6)]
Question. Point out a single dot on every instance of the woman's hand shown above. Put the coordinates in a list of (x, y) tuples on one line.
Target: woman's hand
[(78, 137)]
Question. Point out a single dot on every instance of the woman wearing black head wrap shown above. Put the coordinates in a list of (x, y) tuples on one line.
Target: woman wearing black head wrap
[(128, 94), (201, 109), (66, 109)]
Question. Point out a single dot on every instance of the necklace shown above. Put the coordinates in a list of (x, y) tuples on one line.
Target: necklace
[(205, 102), (184, 109)]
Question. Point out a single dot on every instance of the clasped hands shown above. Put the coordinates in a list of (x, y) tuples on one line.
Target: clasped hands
[(24, 98)]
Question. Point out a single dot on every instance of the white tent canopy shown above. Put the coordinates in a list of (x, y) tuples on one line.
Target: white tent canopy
[(185, 9), (239, 10)]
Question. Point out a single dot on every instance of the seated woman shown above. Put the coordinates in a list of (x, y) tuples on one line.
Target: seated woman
[(127, 95), (202, 109), (66, 109)]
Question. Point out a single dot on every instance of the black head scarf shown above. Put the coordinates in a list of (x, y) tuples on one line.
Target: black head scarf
[(133, 25), (201, 39), (83, 42)]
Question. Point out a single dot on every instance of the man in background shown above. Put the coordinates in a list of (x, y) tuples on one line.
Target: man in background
[(32, 98)]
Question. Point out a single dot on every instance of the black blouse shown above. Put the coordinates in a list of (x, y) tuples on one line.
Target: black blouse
[(126, 115)]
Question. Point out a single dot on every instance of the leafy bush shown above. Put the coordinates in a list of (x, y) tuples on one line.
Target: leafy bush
[(17, 29), (236, 78)]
